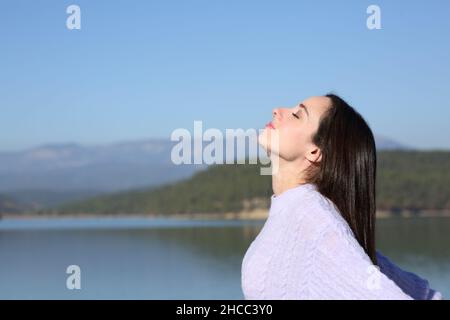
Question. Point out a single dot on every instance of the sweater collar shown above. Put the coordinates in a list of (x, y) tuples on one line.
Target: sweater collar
[(276, 201)]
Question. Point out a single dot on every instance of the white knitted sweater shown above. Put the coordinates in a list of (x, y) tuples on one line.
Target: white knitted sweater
[(306, 250)]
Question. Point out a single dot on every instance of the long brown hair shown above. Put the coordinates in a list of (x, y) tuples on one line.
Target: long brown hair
[(347, 172)]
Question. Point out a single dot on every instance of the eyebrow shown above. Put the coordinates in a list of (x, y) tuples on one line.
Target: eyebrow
[(301, 105)]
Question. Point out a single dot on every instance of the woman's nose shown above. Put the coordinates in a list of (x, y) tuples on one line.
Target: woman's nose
[(276, 112)]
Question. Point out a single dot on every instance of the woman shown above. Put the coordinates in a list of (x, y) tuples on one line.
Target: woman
[(319, 239)]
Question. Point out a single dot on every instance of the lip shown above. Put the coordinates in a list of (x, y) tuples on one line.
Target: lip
[(270, 125)]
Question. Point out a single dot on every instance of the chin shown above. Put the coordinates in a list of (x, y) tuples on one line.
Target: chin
[(269, 146)]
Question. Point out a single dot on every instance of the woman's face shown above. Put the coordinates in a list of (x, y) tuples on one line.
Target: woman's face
[(289, 133)]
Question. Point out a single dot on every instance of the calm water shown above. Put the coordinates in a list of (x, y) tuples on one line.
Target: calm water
[(166, 259)]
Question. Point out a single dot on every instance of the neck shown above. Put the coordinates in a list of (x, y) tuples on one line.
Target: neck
[(286, 176)]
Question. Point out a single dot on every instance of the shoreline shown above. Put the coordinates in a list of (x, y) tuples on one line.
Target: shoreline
[(258, 214)]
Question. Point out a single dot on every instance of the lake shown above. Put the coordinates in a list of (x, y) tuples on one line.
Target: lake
[(138, 258)]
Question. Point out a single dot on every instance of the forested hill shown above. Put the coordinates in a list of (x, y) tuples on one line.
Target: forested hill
[(9, 205), (412, 180)]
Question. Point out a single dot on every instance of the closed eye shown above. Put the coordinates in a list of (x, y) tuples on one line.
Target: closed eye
[(295, 115)]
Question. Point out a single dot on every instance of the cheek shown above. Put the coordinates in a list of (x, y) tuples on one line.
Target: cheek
[(292, 143), (287, 142)]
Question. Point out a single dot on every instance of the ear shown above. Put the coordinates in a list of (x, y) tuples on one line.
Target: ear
[(314, 154)]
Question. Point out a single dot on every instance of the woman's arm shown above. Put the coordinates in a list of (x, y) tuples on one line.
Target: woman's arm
[(410, 283)]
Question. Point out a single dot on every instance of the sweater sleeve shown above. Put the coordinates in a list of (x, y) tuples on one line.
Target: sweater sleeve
[(344, 271), (415, 286)]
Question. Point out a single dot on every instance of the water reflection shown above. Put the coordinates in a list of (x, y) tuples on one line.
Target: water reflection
[(199, 261)]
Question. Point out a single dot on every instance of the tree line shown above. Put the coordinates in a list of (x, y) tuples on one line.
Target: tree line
[(406, 180)]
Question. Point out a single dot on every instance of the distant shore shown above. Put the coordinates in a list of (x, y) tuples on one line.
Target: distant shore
[(258, 214)]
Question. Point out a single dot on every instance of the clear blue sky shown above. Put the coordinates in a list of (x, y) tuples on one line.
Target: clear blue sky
[(140, 69)]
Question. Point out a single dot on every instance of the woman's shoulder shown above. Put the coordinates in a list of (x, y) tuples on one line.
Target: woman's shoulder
[(313, 213), (307, 201)]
